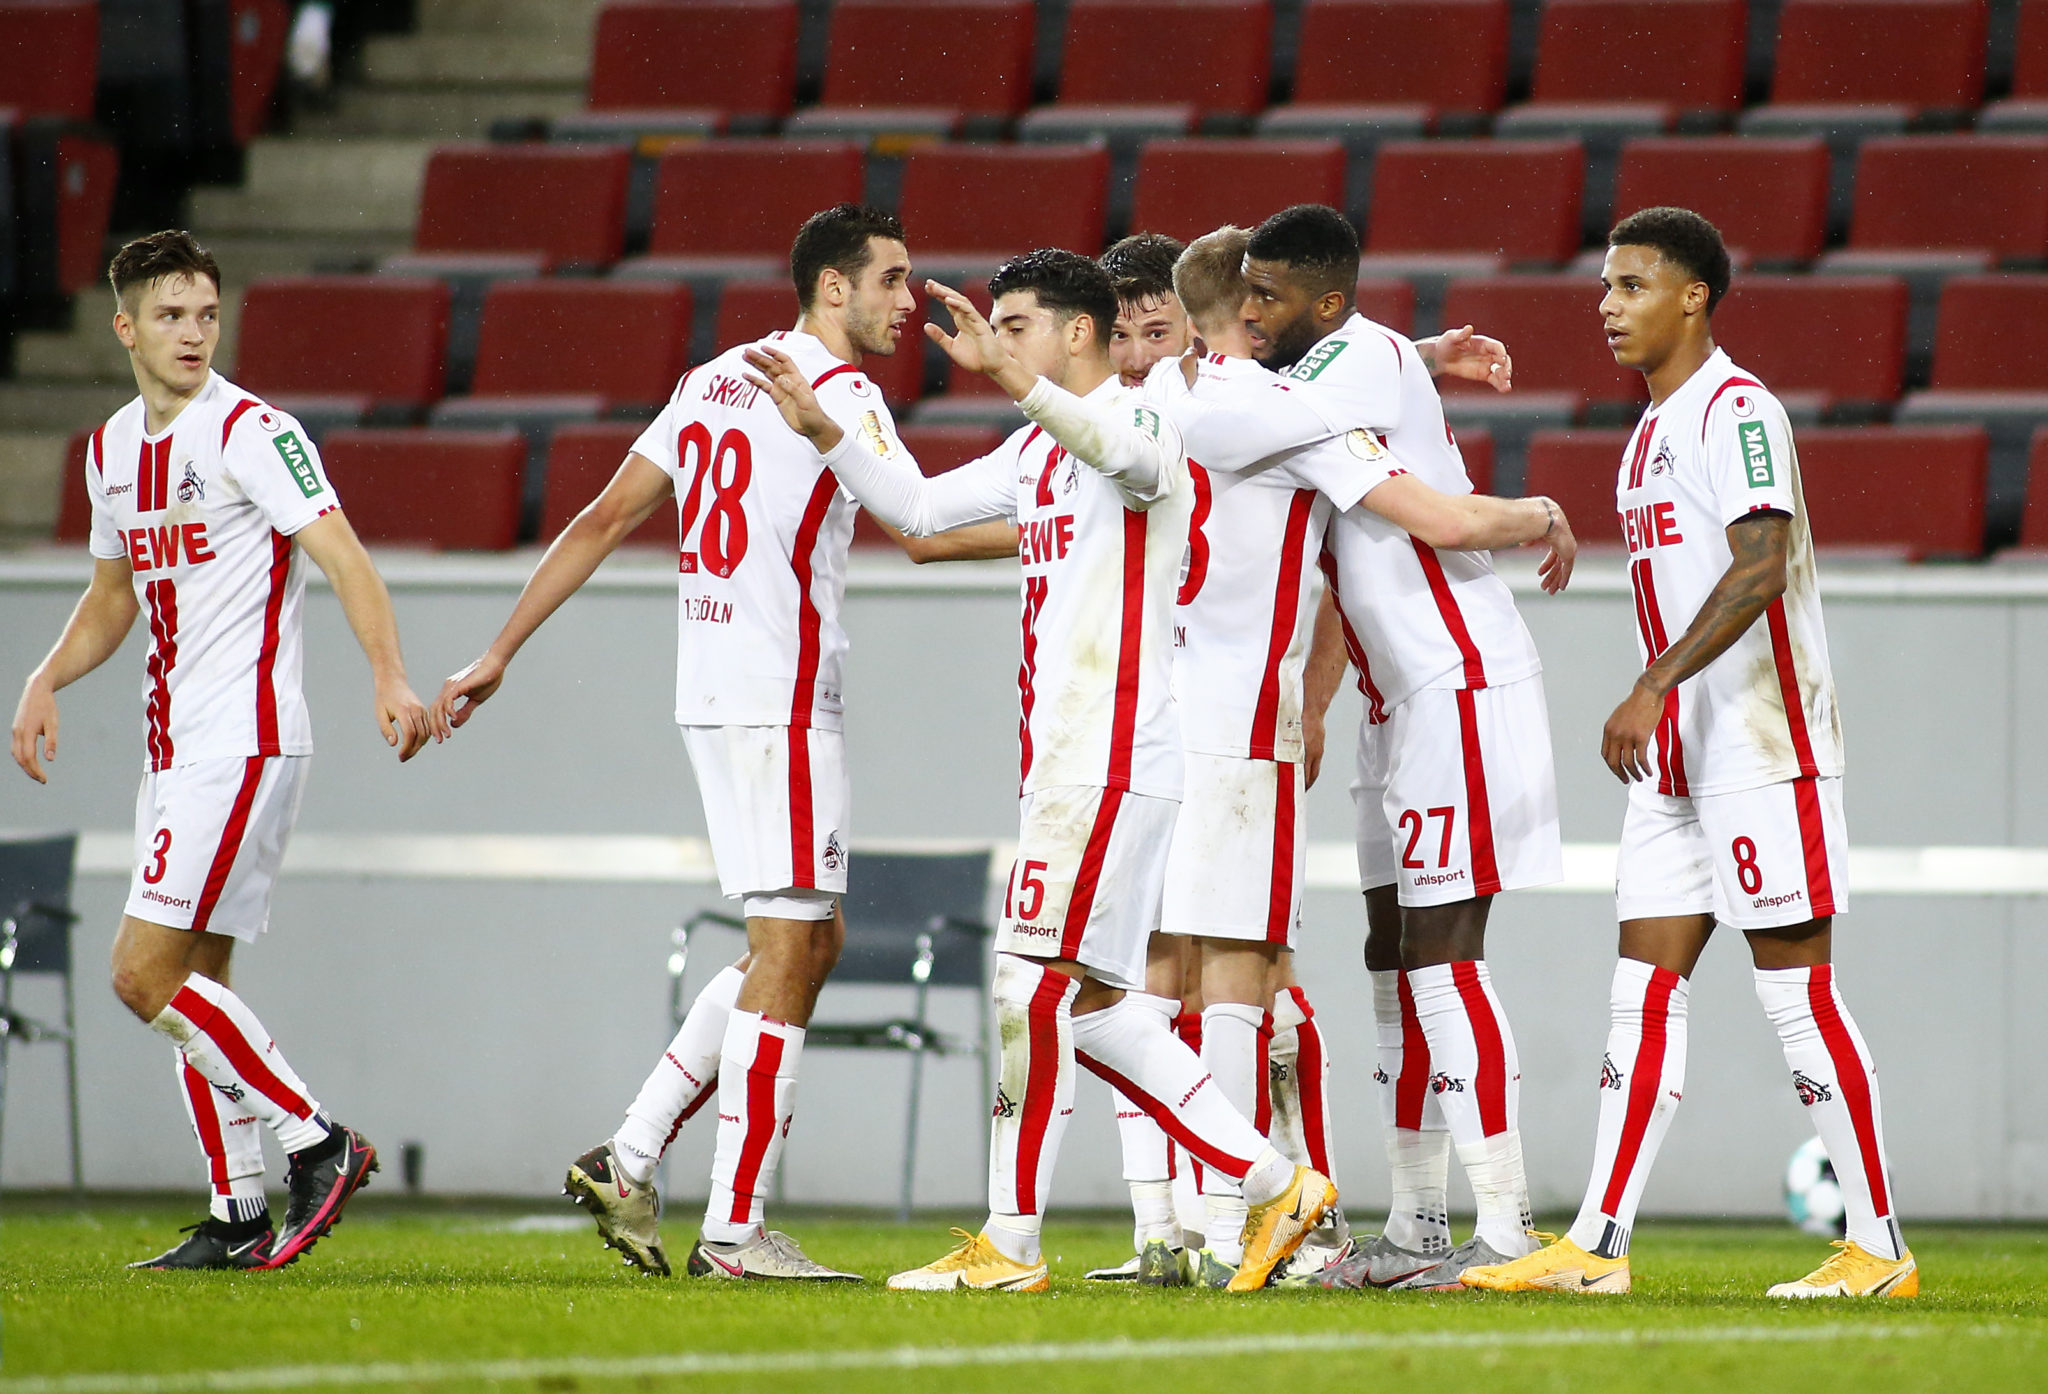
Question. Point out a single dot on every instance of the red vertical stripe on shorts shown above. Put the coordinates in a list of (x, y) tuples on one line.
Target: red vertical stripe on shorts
[(243, 1056), (1280, 895), (1491, 1082), (1088, 879), (1262, 1093), (1123, 721), (1453, 617), (1309, 1079), (1041, 1082), (1813, 844), (1645, 1083), (230, 844), (803, 832), (206, 1122), (1200, 1148), (1478, 810), (761, 1123), (804, 696), (1411, 1090), (266, 657), (1280, 634), (1851, 1078), (1788, 686)]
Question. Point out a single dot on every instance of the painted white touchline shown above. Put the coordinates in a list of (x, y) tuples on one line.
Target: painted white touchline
[(942, 1357)]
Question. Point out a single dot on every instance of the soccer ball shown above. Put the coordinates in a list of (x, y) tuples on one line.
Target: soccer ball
[(1813, 1197)]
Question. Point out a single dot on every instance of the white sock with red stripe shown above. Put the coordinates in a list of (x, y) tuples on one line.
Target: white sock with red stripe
[(1147, 1155), (234, 1148), (1476, 1077), (1298, 1082), (1231, 1053), (1418, 1143), (756, 1100), (681, 1083), (1642, 1078), (228, 1045), (1034, 1098), (1188, 1208), (1132, 1050), (1836, 1080)]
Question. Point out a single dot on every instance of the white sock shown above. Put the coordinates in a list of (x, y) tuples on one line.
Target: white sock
[(1230, 1052), (228, 1136), (683, 1081), (1298, 1083), (1034, 1097), (1188, 1208), (1836, 1080), (1152, 1215), (1016, 1237), (1147, 1154), (230, 1047), (1642, 1077), (1476, 1077), (1418, 1143), (756, 1102)]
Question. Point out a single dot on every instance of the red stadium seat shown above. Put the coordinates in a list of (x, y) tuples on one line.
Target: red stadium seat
[(971, 56), (993, 200), (726, 198), (1918, 489), (49, 58), (1518, 198), (750, 310), (735, 56), (936, 449), (74, 504), (1213, 53), (1994, 195), (1768, 197), (1552, 326), (1189, 187), (567, 203), (1841, 335), (456, 490), (1579, 469), (2030, 51), (1387, 300), (1475, 447), (1450, 55), (83, 174), (1992, 334), (257, 30), (1685, 52), (624, 341), (582, 458), (383, 338), (1916, 53), (2034, 521)]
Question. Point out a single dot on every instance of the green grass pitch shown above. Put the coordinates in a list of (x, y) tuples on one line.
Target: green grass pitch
[(412, 1295)]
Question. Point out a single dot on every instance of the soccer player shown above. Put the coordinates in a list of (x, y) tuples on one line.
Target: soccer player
[(1468, 805), (1731, 748), (1099, 485), (764, 530), (205, 500)]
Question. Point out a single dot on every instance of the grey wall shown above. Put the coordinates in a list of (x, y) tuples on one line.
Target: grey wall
[(504, 1025)]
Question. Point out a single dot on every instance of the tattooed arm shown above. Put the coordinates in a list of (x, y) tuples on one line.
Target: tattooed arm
[(1755, 578)]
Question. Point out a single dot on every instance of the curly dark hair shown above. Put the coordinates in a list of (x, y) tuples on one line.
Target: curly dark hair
[(1066, 283), (836, 238), (172, 252), (1316, 242), (1683, 238), (1140, 267)]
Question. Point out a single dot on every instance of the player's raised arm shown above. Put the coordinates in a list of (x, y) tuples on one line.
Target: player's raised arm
[(1460, 353), (1479, 523), (626, 502), (98, 624), (334, 547)]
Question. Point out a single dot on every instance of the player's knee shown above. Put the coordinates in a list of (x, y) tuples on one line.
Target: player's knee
[(142, 990)]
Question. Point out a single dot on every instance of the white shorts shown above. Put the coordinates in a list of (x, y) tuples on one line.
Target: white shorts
[(1369, 808), (775, 803), (1753, 859), (1239, 851), (1471, 797), (1090, 866), (209, 838)]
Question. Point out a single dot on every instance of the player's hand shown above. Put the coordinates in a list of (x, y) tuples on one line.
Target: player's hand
[(973, 343), (35, 729), (1555, 571), (1462, 354), (786, 384), (1625, 744), (402, 717), (1312, 735), (467, 690)]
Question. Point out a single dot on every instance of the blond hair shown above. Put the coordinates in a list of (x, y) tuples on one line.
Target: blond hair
[(1209, 277)]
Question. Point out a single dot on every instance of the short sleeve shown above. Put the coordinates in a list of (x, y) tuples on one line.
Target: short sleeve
[(104, 539), (1353, 380), (658, 442), (856, 405), (1346, 469), (269, 454), (1748, 455)]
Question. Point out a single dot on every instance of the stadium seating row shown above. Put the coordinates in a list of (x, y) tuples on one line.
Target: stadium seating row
[(975, 59), (1908, 492)]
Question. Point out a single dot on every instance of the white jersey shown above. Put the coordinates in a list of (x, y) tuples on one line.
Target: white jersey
[(763, 532), (1101, 557), (1712, 453), (1250, 585), (204, 512)]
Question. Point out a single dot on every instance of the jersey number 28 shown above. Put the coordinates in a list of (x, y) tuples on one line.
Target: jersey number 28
[(730, 468)]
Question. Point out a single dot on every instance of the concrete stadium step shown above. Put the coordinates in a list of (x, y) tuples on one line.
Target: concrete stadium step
[(86, 352), (34, 406), (438, 113), (563, 21), (31, 484), (489, 58), (339, 188)]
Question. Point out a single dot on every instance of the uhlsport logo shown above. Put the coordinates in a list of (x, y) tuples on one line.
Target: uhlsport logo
[(298, 462), (1441, 1083), (1811, 1091), (1610, 1078)]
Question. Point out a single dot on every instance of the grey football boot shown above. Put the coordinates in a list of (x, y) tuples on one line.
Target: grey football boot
[(627, 1212)]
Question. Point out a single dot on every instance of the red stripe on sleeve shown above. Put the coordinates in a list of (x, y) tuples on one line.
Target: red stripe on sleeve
[(831, 373), (1732, 382), (227, 427)]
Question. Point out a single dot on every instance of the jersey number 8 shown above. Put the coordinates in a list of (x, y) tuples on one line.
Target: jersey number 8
[(723, 544)]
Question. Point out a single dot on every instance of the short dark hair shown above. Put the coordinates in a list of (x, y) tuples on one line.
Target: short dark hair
[(1140, 267), (1683, 238), (172, 252), (1317, 242), (836, 239), (1066, 283)]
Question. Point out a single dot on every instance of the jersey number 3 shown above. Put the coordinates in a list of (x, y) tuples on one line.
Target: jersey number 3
[(730, 467)]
